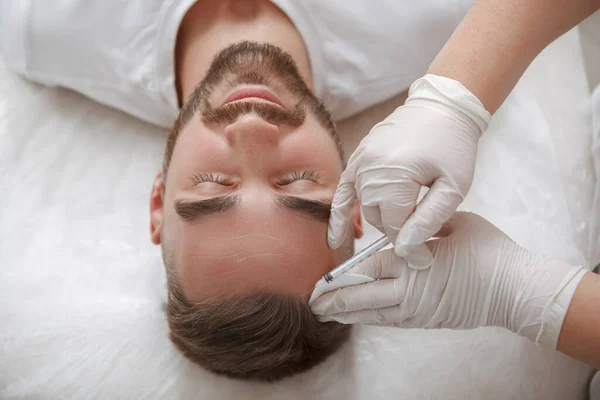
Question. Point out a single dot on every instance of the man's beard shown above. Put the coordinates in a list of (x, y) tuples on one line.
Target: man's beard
[(260, 64), (252, 63)]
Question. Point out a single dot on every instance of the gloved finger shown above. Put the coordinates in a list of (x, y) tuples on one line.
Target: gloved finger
[(372, 215), (418, 257), (437, 207), (341, 214), (376, 316), (387, 203), (398, 206), (377, 294), (408, 313), (381, 265), (380, 325)]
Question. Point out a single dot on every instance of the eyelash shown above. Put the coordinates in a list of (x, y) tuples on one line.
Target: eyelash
[(300, 176), (199, 178), (293, 177)]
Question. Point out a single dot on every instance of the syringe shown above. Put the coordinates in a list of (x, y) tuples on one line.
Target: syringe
[(357, 259)]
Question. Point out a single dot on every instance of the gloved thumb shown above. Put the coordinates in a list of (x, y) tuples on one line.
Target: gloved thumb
[(431, 213), (341, 213)]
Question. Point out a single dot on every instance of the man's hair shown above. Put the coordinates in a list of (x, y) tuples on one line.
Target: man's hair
[(262, 336)]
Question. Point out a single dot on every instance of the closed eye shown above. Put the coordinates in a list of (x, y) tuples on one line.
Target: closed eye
[(300, 176), (213, 178)]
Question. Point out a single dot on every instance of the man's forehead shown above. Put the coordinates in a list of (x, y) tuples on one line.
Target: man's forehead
[(251, 266), (278, 251)]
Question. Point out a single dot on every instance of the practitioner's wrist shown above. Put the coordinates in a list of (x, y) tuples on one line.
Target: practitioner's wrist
[(543, 298), (451, 94)]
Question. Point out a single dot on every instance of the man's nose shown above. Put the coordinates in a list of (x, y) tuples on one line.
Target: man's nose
[(252, 133)]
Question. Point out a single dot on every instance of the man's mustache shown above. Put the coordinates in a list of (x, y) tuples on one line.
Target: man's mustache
[(269, 112)]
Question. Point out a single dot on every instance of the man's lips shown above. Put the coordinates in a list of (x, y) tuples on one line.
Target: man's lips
[(253, 92)]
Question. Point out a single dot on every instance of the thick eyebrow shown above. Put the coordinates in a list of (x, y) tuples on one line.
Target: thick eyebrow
[(316, 209), (190, 210)]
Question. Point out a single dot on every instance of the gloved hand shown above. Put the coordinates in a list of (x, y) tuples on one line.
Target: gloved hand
[(479, 277), (430, 141)]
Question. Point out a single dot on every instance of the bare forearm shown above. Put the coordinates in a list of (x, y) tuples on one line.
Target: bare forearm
[(580, 334), (497, 40)]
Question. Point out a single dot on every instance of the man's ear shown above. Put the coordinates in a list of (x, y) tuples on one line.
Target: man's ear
[(156, 208), (357, 221)]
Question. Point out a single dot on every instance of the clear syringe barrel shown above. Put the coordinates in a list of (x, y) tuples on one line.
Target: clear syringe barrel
[(357, 259)]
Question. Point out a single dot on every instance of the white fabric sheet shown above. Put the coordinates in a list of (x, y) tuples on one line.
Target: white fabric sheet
[(82, 288), (120, 53)]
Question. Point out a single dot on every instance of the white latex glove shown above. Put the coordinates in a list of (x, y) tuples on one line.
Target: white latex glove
[(430, 141), (479, 277)]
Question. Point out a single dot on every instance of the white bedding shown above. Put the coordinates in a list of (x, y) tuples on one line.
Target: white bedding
[(81, 287)]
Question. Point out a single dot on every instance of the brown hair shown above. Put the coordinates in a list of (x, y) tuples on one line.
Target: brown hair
[(262, 336)]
